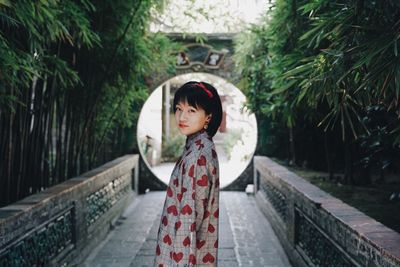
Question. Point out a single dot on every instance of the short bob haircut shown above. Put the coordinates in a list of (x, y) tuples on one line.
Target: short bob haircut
[(196, 96)]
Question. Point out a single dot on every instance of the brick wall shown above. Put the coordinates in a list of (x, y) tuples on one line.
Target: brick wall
[(317, 229), (62, 224)]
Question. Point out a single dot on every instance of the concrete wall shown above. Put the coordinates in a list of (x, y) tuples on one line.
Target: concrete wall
[(147, 179), (317, 229), (245, 178), (61, 225)]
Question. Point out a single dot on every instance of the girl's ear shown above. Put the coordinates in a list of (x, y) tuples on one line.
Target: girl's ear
[(209, 117)]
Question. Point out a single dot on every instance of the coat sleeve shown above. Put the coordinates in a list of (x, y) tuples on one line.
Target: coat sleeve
[(202, 185), (197, 181)]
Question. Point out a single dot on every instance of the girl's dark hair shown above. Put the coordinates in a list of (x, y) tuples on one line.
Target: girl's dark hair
[(205, 96)]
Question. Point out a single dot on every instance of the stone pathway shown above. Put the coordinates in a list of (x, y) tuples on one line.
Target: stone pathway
[(245, 236)]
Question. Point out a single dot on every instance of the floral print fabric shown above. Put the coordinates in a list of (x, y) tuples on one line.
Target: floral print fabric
[(188, 233)]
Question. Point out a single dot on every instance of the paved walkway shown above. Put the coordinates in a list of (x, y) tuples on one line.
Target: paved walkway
[(245, 236)]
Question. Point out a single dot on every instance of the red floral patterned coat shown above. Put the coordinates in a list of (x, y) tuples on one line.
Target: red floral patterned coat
[(188, 233)]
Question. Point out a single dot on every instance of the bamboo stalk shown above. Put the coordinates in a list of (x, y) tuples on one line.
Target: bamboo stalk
[(108, 69), (9, 153)]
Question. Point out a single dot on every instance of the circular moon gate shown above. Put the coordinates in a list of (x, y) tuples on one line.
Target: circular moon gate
[(160, 142)]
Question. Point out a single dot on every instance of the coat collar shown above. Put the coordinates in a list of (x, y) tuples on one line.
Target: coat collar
[(192, 138)]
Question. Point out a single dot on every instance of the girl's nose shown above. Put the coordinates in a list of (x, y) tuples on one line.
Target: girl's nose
[(182, 116)]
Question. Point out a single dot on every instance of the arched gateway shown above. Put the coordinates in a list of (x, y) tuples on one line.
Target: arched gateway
[(211, 59)]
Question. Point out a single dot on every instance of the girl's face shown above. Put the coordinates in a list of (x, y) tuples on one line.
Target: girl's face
[(190, 119)]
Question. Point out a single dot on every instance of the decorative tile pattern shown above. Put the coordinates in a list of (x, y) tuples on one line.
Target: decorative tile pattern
[(41, 245), (317, 247), (104, 199), (276, 198)]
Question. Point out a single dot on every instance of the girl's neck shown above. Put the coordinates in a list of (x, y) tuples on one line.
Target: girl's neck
[(192, 137), (196, 133)]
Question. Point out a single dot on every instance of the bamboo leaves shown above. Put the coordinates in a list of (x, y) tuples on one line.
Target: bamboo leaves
[(330, 62), (71, 86)]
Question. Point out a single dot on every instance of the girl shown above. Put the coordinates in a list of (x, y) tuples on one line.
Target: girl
[(188, 233)]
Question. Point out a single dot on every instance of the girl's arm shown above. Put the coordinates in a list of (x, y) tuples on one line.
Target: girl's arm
[(202, 185)]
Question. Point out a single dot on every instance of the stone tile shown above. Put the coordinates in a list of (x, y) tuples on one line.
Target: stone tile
[(255, 242), (245, 236), (150, 244), (230, 263), (119, 250), (108, 263), (142, 261), (146, 252), (226, 254)]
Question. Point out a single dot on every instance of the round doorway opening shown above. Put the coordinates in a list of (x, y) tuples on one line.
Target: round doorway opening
[(161, 143)]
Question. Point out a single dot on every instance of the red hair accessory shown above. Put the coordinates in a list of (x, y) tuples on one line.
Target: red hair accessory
[(202, 86)]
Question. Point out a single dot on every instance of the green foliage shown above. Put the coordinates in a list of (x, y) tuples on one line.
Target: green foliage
[(172, 148), (28, 32), (72, 82), (231, 139), (319, 64), (190, 16)]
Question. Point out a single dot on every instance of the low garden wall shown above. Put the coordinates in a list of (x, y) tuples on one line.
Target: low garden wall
[(317, 229), (62, 224)]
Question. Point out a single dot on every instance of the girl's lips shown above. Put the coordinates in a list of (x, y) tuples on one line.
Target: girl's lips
[(182, 125)]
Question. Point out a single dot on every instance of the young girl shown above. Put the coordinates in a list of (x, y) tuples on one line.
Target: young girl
[(188, 233)]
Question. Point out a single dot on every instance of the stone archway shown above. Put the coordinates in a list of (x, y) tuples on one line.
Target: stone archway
[(213, 57), (200, 56)]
